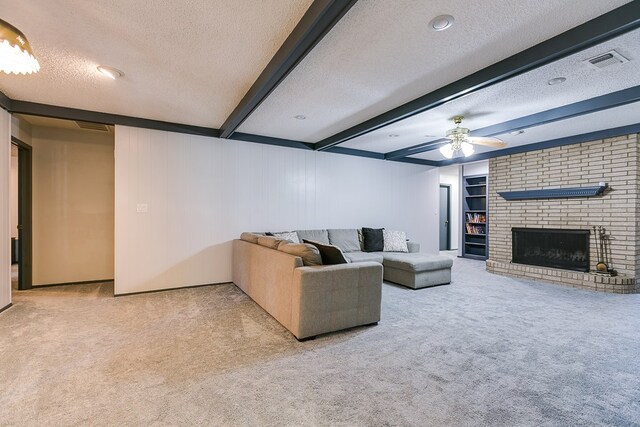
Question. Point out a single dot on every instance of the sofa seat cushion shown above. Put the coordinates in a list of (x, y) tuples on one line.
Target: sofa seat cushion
[(416, 262), (364, 256)]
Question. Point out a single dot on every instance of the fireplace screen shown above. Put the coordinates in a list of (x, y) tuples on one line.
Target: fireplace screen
[(566, 249)]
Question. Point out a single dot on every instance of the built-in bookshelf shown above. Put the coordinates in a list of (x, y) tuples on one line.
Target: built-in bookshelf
[(475, 228)]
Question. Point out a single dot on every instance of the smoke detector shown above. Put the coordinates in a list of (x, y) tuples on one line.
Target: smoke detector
[(606, 59)]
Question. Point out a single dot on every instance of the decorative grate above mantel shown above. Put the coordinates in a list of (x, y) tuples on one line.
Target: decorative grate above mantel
[(554, 193)]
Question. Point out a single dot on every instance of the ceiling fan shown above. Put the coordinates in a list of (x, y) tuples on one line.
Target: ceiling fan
[(461, 141)]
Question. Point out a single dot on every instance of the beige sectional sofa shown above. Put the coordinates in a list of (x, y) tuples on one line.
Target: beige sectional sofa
[(316, 299)]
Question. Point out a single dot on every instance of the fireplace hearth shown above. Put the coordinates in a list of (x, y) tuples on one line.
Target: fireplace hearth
[(554, 248)]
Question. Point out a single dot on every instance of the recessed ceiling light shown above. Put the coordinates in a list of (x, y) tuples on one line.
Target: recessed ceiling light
[(556, 81), (517, 132), (299, 117), (441, 23), (110, 72), (393, 135)]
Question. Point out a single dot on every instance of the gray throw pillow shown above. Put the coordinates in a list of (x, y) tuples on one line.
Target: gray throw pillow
[(330, 254), (310, 254), (346, 239)]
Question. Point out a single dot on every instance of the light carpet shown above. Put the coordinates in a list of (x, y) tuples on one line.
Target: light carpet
[(485, 350)]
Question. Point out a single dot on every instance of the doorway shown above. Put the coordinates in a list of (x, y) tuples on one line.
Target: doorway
[(24, 222), (444, 217)]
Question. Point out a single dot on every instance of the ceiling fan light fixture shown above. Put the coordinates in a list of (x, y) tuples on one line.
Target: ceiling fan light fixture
[(16, 55), (447, 151), (467, 149), (461, 141)]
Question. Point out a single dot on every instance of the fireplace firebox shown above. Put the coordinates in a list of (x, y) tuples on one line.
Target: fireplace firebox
[(546, 247)]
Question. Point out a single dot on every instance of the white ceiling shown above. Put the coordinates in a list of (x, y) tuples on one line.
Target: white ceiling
[(188, 61), (519, 96), (192, 61), (382, 54)]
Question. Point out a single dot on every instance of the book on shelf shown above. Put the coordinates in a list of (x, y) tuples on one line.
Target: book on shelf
[(475, 229), (476, 217)]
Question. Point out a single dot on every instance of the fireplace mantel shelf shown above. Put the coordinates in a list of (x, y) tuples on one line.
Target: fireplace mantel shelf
[(553, 193)]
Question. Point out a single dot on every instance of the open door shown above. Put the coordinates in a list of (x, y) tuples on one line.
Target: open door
[(25, 234), (444, 217)]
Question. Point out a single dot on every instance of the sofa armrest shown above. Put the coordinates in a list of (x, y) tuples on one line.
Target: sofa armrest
[(413, 247), (334, 297)]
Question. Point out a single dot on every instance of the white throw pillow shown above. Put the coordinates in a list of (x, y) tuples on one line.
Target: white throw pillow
[(292, 236), (395, 241)]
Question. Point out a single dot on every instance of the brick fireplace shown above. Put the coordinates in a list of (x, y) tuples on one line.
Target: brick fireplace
[(615, 161)]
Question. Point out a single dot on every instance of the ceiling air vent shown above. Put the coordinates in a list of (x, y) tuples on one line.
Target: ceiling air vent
[(92, 126), (606, 59)]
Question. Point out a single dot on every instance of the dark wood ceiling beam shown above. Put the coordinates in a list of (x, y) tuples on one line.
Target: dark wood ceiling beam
[(5, 102), (588, 106), (44, 110), (319, 19), (591, 33)]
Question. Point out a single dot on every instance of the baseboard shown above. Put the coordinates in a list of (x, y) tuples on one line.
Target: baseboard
[(172, 289), (86, 282), (5, 307)]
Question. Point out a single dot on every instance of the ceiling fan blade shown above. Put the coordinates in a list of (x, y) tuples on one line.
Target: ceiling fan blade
[(488, 141)]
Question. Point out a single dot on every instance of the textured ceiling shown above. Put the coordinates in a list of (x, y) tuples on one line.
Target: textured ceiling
[(188, 61), (517, 97), (382, 54), (192, 61)]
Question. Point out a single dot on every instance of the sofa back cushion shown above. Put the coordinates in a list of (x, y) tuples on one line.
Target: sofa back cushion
[(344, 238), (330, 254), (250, 237), (309, 253), (269, 241), (321, 236), (373, 239)]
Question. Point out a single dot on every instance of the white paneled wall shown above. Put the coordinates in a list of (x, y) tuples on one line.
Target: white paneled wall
[(5, 216), (182, 199)]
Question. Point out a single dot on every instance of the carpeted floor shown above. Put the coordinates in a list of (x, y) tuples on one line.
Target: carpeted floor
[(486, 350)]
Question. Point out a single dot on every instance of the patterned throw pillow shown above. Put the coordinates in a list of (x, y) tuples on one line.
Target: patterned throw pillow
[(292, 236), (395, 241)]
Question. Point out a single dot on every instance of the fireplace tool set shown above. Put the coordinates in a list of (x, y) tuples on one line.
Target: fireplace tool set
[(603, 251)]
